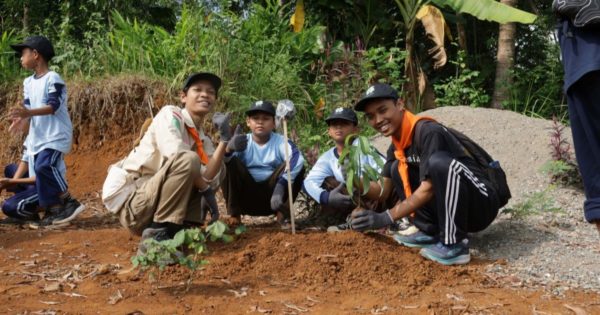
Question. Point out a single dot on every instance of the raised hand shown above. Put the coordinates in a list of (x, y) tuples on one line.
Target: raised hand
[(221, 123), (238, 142)]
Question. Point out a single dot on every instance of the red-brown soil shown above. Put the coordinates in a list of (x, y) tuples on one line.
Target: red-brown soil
[(82, 269)]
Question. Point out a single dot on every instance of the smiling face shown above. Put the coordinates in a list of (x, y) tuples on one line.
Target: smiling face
[(339, 129), (385, 115), (200, 98), (261, 124)]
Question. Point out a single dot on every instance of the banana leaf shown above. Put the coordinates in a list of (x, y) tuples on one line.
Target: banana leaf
[(488, 10)]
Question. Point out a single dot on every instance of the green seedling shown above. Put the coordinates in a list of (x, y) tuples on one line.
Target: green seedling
[(187, 248), (536, 203), (359, 174)]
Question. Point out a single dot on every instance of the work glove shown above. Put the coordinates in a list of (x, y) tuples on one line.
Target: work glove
[(221, 123), (210, 201), (277, 197), (370, 220), (238, 142), (339, 200)]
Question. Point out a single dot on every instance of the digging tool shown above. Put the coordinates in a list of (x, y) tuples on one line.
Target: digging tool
[(285, 111)]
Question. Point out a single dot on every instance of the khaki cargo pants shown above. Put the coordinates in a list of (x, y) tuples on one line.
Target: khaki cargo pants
[(169, 195)]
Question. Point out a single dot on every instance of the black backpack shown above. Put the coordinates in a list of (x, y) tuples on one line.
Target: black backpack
[(490, 166)]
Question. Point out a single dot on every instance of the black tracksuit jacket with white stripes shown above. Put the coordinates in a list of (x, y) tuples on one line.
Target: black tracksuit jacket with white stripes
[(463, 199)]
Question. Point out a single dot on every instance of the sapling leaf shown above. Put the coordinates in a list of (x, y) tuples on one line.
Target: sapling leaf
[(240, 229), (178, 239), (350, 182), (216, 229), (227, 238), (365, 185), (364, 145)]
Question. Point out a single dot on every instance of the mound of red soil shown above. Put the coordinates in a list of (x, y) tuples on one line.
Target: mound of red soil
[(351, 260)]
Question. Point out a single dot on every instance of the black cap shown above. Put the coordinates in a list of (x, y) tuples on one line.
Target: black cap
[(343, 114), (199, 76), (377, 90), (39, 43), (261, 106)]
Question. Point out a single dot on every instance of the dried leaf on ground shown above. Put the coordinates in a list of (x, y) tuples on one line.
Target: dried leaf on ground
[(115, 298), (53, 287), (312, 299), (576, 310), (454, 297), (379, 310), (238, 294), (259, 309), (50, 302), (295, 307)]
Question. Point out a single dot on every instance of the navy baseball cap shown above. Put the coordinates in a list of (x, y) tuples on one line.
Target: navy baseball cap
[(40, 43), (343, 114), (214, 80), (261, 106), (377, 90)]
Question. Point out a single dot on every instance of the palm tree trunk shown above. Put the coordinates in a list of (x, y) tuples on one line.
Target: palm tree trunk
[(462, 34), (505, 60), (26, 17)]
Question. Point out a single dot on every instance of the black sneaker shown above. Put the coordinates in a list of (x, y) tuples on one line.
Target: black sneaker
[(72, 208), (158, 234), (50, 215)]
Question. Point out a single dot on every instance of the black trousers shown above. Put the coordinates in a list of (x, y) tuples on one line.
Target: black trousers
[(243, 195), (462, 202)]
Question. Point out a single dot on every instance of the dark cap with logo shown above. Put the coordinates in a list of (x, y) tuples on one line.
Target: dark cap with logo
[(343, 114), (214, 80), (40, 43), (377, 90), (261, 106)]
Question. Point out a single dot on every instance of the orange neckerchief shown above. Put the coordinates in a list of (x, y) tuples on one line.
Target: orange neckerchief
[(409, 121), (199, 144)]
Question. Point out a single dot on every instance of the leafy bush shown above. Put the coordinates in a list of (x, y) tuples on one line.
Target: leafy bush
[(465, 88), (10, 67), (537, 90)]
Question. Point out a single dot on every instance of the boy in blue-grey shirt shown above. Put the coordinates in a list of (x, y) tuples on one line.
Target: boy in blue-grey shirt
[(325, 182), (50, 129), (256, 183)]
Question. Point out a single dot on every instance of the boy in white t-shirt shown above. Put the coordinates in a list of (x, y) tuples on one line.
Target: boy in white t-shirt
[(50, 130)]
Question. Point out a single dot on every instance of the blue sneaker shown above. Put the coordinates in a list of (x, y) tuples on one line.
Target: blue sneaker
[(417, 239), (455, 254)]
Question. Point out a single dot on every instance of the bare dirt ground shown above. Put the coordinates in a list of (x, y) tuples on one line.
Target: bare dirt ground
[(82, 268)]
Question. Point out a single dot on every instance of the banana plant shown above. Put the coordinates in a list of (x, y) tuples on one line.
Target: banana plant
[(435, 26)]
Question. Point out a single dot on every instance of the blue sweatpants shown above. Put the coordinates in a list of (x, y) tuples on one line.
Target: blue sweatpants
[(584, 114), (24, 203), (49, 181)]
